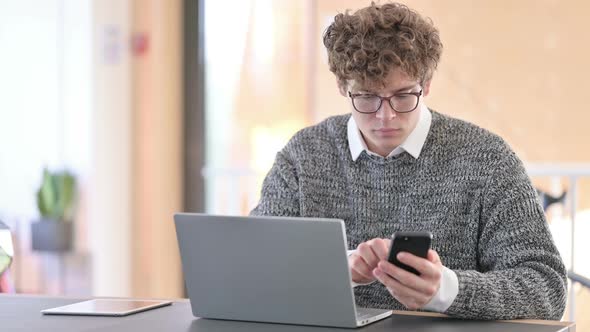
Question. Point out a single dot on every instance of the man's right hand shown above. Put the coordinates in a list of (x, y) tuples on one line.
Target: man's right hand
[(365, 259)]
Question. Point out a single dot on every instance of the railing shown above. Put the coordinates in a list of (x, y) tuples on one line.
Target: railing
[(240, 189), (579, 279)]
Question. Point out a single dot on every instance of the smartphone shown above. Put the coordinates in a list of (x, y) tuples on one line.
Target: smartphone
[(416, 243)]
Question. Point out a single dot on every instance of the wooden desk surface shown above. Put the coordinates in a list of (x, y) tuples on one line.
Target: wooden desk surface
[(22, 313)]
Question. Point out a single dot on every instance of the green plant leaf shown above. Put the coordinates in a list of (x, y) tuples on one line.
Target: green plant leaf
[(66, 190), (56, 196), (46, 195)]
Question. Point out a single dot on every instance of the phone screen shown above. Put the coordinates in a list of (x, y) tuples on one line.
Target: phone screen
[(416, 243)]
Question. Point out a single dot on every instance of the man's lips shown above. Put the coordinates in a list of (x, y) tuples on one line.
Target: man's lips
[(388, 132)]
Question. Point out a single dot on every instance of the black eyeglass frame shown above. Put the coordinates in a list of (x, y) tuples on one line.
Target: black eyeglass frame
[(388, 99)]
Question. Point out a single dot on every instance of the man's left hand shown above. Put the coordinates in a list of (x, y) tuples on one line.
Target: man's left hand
[(411, 290)]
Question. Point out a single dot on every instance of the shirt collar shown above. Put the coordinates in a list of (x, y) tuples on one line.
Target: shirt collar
[(412, 145)]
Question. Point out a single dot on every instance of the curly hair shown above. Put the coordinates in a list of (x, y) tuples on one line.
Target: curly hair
[(366, 45)]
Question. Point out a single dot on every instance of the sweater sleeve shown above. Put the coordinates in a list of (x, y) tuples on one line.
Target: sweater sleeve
[(520, 272), (280, 190)]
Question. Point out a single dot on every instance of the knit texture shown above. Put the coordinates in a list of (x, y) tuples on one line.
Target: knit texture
[(467, 187)]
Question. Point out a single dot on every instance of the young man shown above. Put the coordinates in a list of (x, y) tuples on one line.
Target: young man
[(395, 165)]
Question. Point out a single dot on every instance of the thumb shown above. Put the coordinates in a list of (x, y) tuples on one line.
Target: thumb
[(433, 257)]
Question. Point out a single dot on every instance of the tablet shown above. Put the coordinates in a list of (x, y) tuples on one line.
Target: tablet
[(106, 307)]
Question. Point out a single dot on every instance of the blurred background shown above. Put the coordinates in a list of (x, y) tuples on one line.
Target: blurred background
[(141, 108)]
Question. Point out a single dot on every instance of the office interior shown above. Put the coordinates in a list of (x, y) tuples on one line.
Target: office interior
[(162, 106)]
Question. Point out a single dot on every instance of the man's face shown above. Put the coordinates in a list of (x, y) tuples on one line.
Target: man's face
[(386, 129)]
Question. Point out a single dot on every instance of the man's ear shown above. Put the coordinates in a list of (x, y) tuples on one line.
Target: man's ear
[(343, 89), (426, 88)]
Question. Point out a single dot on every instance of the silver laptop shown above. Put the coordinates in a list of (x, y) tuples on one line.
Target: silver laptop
[(269, 269)]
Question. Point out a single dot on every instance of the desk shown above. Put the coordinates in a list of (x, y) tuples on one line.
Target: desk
[(21, 313)]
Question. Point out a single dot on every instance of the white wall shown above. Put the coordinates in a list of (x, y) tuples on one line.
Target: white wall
[(45, 104), (30, 118)]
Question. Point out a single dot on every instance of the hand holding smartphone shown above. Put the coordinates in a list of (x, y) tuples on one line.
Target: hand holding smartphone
[(416, 243)]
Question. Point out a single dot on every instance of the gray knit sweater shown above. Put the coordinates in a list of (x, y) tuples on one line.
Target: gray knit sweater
[(467, 187)]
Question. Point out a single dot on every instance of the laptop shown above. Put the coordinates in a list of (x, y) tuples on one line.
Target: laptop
[(269, 269)]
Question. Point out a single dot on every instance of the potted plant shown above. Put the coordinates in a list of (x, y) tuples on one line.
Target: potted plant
[(56, 199)]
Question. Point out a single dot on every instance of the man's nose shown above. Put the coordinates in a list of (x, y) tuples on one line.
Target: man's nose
[(386, 111)]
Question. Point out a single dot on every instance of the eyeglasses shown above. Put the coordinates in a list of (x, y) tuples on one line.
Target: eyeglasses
[(399, 102)]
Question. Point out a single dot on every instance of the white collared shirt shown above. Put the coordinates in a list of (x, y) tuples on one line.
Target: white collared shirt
[(412, 145), (449, 285)]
